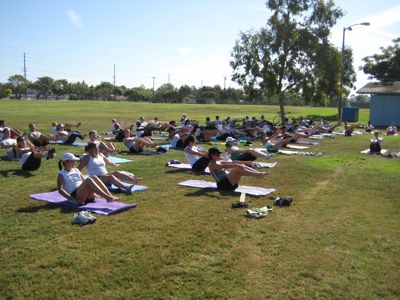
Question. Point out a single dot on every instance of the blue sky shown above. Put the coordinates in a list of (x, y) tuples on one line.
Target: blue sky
[(189, 39)]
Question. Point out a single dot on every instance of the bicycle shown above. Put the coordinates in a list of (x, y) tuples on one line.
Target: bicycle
[(277, 119)]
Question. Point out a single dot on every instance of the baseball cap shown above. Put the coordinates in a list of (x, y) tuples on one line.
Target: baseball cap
[(230, 139), (69, 156)]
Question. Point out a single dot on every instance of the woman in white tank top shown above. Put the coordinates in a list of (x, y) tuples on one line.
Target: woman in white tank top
[(95, 163), (72, 185)]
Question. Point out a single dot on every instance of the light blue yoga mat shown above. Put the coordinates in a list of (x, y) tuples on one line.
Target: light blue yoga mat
[(135, 189), (118, 160), (76, 143)]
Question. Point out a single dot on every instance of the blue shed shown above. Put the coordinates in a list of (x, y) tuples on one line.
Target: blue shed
[(385, 102)]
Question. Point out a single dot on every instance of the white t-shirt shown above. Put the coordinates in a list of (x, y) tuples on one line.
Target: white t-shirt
[(34, 134), (266, 128), (192, 158), (72, 179), (8, 145), (379, 140), (24, 157), (174, 140), (96, 166)]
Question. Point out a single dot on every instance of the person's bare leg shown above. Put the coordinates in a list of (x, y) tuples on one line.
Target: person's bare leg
[(125, 177), (236, 173), (111, 179), (96, 185)]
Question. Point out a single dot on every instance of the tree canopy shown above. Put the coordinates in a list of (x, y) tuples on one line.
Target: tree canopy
[(291, 54), (384, 66)]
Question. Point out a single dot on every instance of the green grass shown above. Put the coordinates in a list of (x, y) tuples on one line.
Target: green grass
[(339, 239)]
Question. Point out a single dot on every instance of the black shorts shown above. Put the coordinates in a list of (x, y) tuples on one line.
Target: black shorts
[(179, 144), (246, 157), (375, 148), (201, 164), (120, 136), (133, 150), (73, 195), (226, 185), (40, 144), (32, 163)]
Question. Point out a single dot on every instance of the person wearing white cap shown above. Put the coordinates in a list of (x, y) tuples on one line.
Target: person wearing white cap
[(95, 163), (242, 154), (67, 137), (72, 185)]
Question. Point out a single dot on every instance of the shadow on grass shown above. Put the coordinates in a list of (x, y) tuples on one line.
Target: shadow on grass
[(188, 171), (47, 206), (18, 172), (327, 118), (211, 193)]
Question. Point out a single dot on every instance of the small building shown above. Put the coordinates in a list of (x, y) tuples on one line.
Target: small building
[(385, 102)]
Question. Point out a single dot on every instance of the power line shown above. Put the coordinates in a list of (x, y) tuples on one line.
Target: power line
[(25, 76)]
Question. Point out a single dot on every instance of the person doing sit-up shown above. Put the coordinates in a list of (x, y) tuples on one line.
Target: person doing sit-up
[(228, 181), (72, 185)]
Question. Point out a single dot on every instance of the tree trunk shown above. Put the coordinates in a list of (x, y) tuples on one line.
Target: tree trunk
[(282, 107)]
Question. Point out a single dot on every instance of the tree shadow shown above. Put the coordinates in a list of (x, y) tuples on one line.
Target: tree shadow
[(187, 171), (16, 172), (327, 118)]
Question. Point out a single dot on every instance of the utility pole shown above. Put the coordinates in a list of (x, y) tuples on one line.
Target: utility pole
[(25, 77), (114, 82), (154, 78)]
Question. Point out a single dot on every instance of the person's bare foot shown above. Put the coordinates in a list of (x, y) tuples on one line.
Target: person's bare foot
[(261, 174)]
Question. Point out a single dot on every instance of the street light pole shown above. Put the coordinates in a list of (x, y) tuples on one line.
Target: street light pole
[(340, 102)]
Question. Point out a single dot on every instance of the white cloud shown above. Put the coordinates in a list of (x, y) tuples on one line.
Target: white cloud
[(184, 50), (74, 18)]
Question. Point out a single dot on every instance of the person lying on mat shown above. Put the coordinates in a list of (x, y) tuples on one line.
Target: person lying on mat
[(67, 137), (117, 131), (196, 157), (203, 134), (67, 126), (105, 148), (37, 138), (30, 157), (228, 181), (95, 163), (274, 143), (375, 143), (177, 136), (134, 144), (13, 132), (392, 129), (8, 144), (223, 131), (236, 153), (72, 185)]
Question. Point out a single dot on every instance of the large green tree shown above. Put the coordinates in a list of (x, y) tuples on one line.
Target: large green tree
[(384, 66), (44, 86), (18, 85), (60, 87), (285, 56)]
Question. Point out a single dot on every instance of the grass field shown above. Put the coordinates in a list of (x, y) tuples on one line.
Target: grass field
[(340, 239)]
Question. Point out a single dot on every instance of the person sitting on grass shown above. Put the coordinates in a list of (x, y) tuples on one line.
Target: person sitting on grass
[(369, 127), (67, 137), (13, 132), (136, 145), (67, 127), (37, 138), (392, 129), (274, 143), (117, 131), (105, 148), (72, 185), (30, 157), (375, 144), (348, 129), (95, 162), (249, 154), (228, 181), (8, 144), (197, 158)]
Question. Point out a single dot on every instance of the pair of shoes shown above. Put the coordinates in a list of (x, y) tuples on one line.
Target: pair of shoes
[(161, 150), (50, 153), (83, 218), (239, 205), (283, 201), (257, 213)]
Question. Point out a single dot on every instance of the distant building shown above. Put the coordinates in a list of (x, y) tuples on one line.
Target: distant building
[(385, 102)]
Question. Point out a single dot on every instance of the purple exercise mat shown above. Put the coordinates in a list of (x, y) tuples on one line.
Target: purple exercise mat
[(99, 206)]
